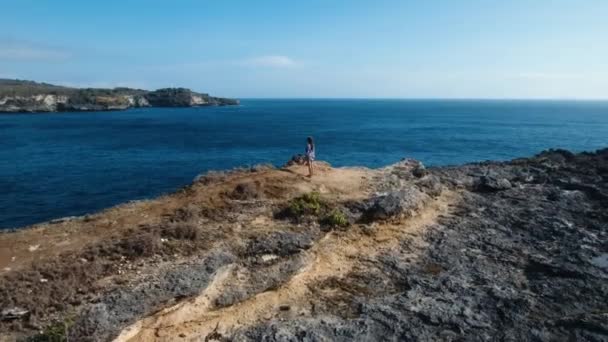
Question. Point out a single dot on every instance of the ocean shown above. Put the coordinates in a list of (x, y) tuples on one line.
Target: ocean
[(64, 164)]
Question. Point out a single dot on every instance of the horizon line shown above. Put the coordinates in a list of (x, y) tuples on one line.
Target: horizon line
[(430, 98), (423, 98)]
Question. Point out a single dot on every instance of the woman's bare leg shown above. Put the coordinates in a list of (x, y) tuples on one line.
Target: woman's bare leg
[(310, 167)]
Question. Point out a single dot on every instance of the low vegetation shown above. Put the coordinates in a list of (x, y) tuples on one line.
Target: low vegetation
[(55, 332), (19, 94), (313, 206), (306, 205), (181, 231), (54, 288), (31, 88), (336, 218)]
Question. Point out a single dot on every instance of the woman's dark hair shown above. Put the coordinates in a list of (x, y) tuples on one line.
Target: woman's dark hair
[(311, 142)]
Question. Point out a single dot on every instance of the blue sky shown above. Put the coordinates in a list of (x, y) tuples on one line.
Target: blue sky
[(314, 48)]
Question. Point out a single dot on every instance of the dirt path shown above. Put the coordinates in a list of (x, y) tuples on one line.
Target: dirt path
[(334, 256)]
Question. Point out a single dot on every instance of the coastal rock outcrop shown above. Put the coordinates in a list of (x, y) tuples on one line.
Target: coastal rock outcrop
[(509, 263), (25, 96), (181, 97), (492, 251)]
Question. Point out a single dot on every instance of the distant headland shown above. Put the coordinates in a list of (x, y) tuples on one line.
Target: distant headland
[(18, 96)]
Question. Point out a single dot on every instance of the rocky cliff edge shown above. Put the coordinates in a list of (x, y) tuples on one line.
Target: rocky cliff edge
[(494, 251)]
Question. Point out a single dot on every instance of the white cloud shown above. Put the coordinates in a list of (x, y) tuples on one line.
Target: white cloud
[(269, 61), (272, 61), (551, 76), (16, 50)]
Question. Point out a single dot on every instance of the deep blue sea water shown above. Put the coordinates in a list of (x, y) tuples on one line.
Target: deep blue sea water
[(56, 165)]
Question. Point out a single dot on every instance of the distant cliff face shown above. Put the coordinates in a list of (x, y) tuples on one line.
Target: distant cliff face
[(25, 96), (38, 103), (181, 97), (63, 103)]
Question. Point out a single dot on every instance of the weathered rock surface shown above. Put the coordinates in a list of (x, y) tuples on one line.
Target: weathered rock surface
[(523, 258), (395, 204), (104, 319)]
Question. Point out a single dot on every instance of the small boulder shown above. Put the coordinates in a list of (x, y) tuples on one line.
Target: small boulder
[(407, 168), (245, 191), (419, 171), (393, 204)]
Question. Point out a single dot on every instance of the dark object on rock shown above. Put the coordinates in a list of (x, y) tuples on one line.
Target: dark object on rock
[(245, 191), (297, 159), (284, 307), (419, 171), (13, 313)]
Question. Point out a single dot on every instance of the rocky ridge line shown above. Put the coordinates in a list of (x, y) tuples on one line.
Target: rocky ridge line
[(31, 97)]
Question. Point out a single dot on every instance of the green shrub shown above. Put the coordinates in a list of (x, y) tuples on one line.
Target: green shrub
[(336, 218), (307, 204)]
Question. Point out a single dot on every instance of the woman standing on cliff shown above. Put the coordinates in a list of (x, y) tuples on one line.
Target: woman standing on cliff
[(310, 155)]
